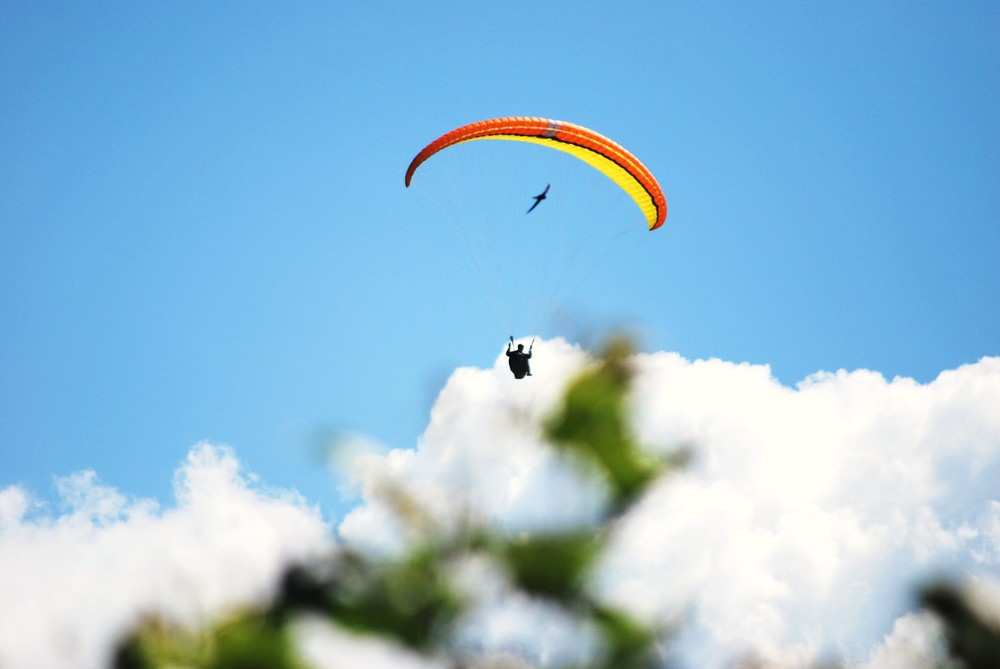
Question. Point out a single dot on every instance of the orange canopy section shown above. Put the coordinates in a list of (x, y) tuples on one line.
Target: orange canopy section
[(597, 150)]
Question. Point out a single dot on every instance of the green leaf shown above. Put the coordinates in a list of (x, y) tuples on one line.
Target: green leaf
[(630, 644), (552, 565)]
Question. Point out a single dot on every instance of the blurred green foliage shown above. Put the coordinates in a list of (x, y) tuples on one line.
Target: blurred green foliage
[(973, 641), (410, 600), (413, 601), (248, 640), (551, 565), (593, 424)]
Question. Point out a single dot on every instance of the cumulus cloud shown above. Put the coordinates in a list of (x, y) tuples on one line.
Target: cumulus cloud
[(71, 582), (914, 643), (798, 533)]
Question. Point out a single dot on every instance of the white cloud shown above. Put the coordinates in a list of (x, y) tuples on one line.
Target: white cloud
[(914, 643), (801, 528), (798, 533), (13, 505), (71, 583)]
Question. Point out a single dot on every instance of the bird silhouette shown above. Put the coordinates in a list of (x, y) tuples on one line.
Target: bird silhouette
[(539, 198)]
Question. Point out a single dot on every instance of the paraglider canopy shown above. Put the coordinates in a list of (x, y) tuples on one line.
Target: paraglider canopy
[(597, 150)]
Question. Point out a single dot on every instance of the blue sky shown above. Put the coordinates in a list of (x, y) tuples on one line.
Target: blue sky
[(204, 232)]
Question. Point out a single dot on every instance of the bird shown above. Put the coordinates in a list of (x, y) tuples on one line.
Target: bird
[(539, 198)]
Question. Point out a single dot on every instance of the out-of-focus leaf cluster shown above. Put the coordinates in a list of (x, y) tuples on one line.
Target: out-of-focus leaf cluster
[(410, 601), (973, 641), (248, 640), (593, 424), (413, 600)]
